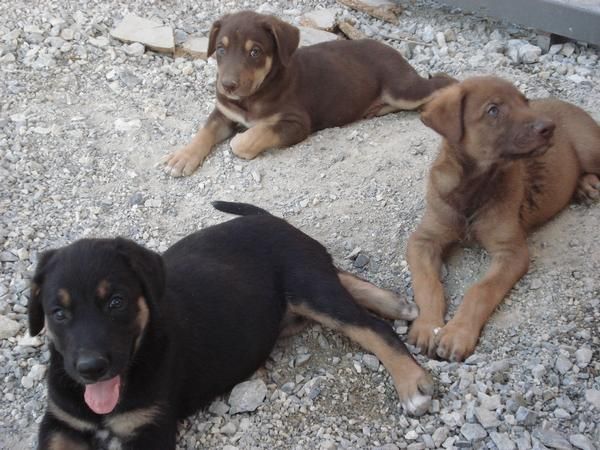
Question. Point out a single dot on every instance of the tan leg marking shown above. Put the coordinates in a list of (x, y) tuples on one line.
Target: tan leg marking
[(62, 441), (125, 425), (186, 160), (225, 41), (64, 297), (458, 339), (254, 141), (381, 301), (142, 319), (424, 255), (72, 421), (413, 384)]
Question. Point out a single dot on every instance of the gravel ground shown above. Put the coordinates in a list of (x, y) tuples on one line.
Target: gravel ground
[(82, 124)]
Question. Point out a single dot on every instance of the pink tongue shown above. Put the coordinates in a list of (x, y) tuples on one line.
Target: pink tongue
[(102, 397)]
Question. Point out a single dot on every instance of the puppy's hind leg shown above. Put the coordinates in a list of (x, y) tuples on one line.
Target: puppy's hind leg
[(411, 91), (385, 303), (585, 135), (327, 302)]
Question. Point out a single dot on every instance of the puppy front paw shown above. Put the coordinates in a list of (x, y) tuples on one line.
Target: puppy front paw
[(416, 395), (457, 341), (423, 334), (182, 162)]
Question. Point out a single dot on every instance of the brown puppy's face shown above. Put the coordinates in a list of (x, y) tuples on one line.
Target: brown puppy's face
[(489, 120), (96, 306), (248, 47)]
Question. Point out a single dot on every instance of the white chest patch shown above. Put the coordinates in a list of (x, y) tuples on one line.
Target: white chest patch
[(234, 115)]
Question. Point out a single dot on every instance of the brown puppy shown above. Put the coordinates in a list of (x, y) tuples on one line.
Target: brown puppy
[(506, 165), (282, 94)]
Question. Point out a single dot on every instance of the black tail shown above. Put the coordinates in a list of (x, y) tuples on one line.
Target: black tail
[(239, 209)]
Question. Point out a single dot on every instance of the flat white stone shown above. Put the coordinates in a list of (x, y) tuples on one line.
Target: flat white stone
[(196, 47), (382, 9), (311, 36), (322, 19), (153, 35)]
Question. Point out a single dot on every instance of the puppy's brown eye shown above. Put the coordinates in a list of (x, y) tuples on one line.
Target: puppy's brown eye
[(493, 111), (116, 303), (220, 51), (255, 52)]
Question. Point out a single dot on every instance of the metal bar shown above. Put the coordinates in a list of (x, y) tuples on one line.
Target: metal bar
[(575, 19)]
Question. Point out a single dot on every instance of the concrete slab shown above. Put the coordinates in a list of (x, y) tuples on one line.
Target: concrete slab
[(575, 19)]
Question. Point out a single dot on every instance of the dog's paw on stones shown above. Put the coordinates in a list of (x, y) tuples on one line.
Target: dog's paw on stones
[(415, 396), (247, 396), (457, 341), (181, 163), (423, 335)]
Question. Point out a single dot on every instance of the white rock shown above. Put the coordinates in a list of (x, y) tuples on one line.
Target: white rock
[(593, 396), (428, 33), (529, 53), (247, 396), (581, 441), (371, 362), (196, 47), (382, 9), (311, 36), (134, 49), (37, 372), (441, 39), (562, 364), (100, 41), (576, 78), (29, 341), (27, 382), (153, 35), (323, 19), (554, 49), (583, 356), (127, 125), (8, 327), (67, 34), (567, 49)]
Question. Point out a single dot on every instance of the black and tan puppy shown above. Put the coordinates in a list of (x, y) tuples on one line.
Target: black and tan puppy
[(506, 165), (281, 93), (140, 340)]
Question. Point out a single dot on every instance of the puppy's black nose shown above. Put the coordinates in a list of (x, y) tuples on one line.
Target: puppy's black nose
[(229, 85), (544, 128), (92, 366)]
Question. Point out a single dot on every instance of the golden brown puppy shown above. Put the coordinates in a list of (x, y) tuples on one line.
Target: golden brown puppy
[(281, 94), (506, 165)]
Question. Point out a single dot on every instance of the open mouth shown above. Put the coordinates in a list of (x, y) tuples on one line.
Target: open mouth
[(102, 397)]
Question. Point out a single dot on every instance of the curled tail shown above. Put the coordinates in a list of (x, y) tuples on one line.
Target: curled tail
[(239, 209)]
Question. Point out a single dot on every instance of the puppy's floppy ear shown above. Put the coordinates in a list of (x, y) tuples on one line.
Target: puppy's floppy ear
[(35, 309), (287, 38), (444, 113), (147, 265), (212, 37)]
